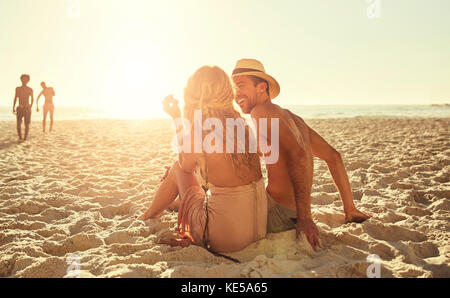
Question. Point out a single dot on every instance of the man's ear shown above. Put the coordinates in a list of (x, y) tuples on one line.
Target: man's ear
[(262, 87)]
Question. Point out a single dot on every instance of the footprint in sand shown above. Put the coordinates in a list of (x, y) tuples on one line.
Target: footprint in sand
[(402, 185), (5, 238), (440, 205), (85, 224), (351, 166), (52, 267), (385, 251), (28, 207), (112, 211), (76, 243), (329, 217), (323, 198), (423, 250), (49, 232), (55, 214), (120, 237), (328, 188), (390, 216), (391, 232), (414, 211)]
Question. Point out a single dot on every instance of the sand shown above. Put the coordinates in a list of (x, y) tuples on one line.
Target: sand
[(74, 193)]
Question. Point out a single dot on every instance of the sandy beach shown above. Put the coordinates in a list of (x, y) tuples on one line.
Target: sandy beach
[(79, 189)]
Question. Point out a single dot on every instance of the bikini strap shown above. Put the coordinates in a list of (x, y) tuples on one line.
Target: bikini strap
[(205, 187), (204, 170)]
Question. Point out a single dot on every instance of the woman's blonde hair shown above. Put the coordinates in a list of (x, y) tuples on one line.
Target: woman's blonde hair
[(210, 90)]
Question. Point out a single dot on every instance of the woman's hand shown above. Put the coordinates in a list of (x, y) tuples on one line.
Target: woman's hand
[(143, 217), (170, 106)]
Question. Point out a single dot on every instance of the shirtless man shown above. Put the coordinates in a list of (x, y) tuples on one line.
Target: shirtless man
[(48, 93), (23, 93), (290, 178)]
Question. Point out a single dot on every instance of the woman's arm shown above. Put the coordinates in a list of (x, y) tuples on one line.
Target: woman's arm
[(186, 157)]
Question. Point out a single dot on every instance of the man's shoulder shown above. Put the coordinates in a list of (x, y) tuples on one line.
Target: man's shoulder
[(25, 88), (266, 110), (294, 116)]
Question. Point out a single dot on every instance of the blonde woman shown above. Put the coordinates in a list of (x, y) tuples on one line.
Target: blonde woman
[(235, 212)]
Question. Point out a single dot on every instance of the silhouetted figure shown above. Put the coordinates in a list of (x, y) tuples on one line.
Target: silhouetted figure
[(23, 93), (48, 93)]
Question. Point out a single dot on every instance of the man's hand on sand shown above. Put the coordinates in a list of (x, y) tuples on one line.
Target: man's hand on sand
[(14, 111), (356, 216), (309, 228), (170, 106)]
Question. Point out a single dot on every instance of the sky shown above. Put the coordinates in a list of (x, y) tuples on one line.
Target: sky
[(125, 56)]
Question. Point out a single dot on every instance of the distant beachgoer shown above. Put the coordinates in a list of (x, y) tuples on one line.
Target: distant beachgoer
[(48, 93), (23, 93), (235, 213)]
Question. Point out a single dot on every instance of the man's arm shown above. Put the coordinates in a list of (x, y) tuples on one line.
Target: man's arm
[(37, 100), (327, 153), (299, 168), (32, 98), (324, 151), (39, 96), (15, 101)]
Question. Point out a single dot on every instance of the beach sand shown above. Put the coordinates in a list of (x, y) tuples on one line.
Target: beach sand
[(75, 193)]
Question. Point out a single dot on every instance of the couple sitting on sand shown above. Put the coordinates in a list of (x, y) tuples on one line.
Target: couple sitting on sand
[(224, 204)]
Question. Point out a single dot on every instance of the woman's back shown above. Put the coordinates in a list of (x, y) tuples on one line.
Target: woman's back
[(235, 213), (221, 171)]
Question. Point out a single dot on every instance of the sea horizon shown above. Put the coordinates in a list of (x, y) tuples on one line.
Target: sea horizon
[(321, 111)]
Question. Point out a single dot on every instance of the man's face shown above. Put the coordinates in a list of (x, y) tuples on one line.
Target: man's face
[(24, 80), (246, 95)]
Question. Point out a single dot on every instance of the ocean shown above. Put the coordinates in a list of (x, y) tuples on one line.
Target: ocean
[(352, 111), (304, 111)]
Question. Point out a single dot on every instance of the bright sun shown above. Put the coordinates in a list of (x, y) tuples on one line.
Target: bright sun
[(138, 89)]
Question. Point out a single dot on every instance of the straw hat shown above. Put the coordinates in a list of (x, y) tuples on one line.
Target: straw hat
[(252, 67)]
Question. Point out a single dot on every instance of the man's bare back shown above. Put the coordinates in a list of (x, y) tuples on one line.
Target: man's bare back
[(279, 182), (280, 185)]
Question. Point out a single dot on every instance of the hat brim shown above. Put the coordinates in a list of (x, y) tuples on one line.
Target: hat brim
[(274, 87)]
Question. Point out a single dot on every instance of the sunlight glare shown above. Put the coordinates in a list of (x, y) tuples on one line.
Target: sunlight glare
[(139, 87)]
